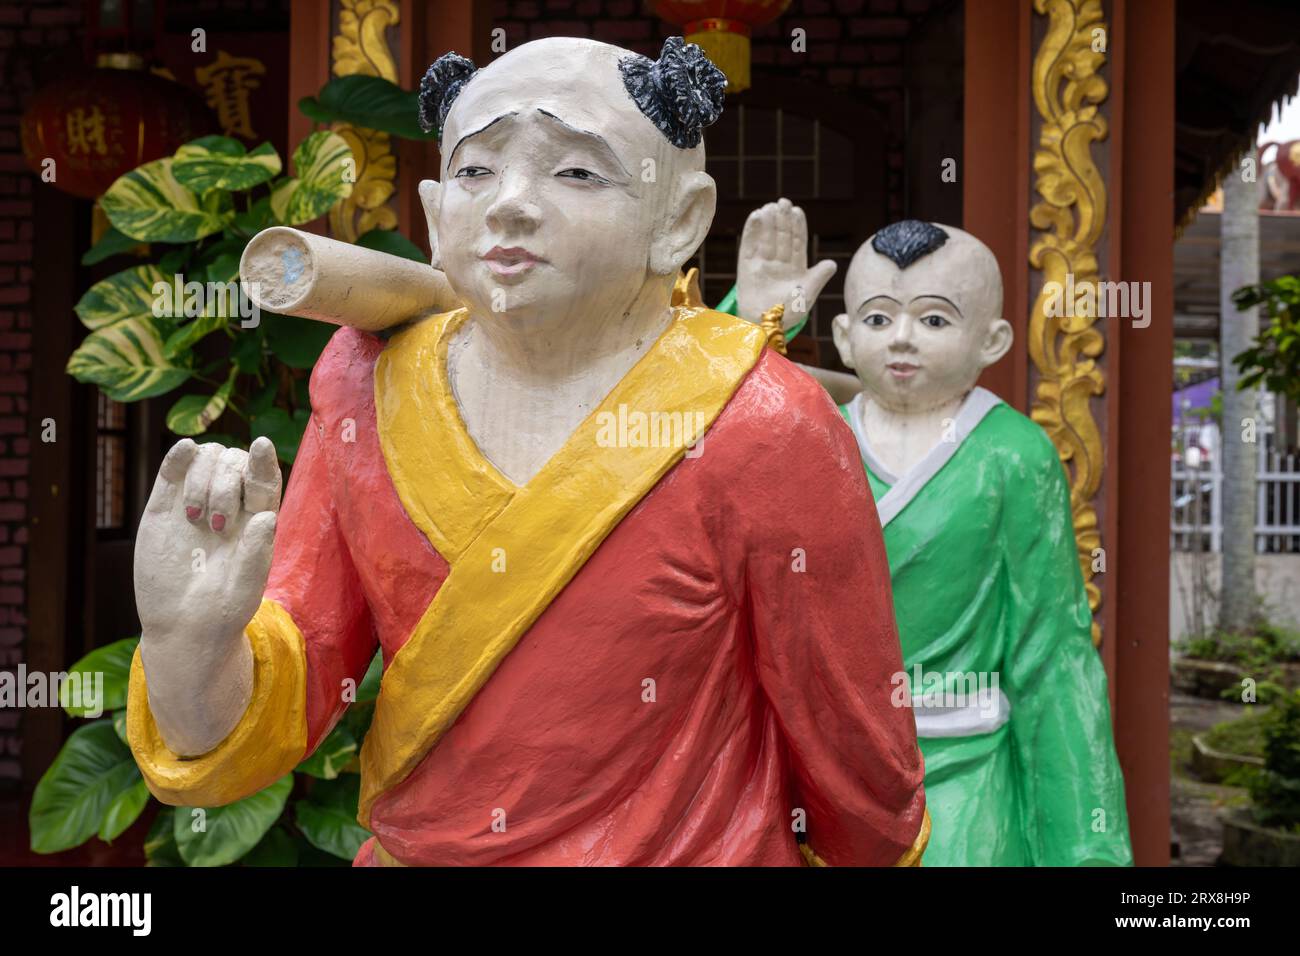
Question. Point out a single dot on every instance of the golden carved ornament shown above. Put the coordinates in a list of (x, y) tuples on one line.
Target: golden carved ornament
[(772, 322), (1067, 223), (361, 48), (686, 290)]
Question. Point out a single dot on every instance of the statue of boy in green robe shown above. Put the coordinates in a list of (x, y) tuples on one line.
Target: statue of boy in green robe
[(1008, 692)]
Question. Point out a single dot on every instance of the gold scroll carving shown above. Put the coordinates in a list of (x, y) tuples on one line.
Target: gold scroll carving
[(1067, 222), (361, 48)]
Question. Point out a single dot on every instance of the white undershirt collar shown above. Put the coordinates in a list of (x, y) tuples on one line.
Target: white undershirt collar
[(904, 488)]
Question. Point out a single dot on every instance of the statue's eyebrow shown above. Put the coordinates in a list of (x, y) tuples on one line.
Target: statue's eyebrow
[(481, 129), (595, 139), (881, 295), (941, 298)]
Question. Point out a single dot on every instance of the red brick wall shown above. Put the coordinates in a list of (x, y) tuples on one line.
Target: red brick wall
[(29, 33), (853, 46)]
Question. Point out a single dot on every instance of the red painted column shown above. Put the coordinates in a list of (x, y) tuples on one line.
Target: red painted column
[(1136, 161), (309, 70), (1139, 471), (460, 26), (996, 175)]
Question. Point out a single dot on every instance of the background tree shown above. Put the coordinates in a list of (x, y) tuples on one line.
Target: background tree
[(1238, 266)]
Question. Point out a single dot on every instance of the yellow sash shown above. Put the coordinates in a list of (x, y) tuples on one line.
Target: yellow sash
[(513, 549)]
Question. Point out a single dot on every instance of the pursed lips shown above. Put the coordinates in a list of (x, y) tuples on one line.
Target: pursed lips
[(511, 260)]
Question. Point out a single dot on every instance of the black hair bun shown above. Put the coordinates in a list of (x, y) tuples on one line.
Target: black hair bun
[(908, 240), (442, 83), (681, 92)]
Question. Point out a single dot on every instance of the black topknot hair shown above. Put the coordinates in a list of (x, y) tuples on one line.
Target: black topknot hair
[(906, 241), (441, 84), (681, 92)]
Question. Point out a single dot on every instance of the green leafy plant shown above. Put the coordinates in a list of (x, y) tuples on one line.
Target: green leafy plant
[(94, 789), (1267, 653), (196, 211), (1275, 790), (177, 322), (1243, 736), (157, 327), (368, 101), (1274, 358), (1266, 644)]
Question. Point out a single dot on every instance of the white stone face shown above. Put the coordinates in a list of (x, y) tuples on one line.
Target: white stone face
[(548, 160), (919, 337)]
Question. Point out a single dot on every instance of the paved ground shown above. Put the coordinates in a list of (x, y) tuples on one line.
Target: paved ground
[(1195, 805)]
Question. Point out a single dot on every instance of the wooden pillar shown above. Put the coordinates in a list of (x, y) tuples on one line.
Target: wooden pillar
[(1144, 47), (58, 541), (462, 27), (996, 177), (309, 67), (1069, 177)]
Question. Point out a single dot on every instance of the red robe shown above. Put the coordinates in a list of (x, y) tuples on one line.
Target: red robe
[(714, 679)]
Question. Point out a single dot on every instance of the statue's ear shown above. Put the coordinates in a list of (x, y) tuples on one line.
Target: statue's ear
[(997, 342), (685, 228), (431, 199), (840, 335)]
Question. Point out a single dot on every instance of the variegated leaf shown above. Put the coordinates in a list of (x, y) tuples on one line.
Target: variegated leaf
[(184, 338), (123, 295), (126, 361), (192, 414), (325, 171), (219, 162), (148, 204)]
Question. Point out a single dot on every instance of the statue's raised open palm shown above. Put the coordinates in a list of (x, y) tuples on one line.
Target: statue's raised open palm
[(773, 264), (202, 556)]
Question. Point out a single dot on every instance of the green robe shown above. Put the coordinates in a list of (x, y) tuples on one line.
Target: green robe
[(987, 583)]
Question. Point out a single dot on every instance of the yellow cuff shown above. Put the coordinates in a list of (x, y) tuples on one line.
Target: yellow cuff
[(267, 743), (912, 857), (914, 853)]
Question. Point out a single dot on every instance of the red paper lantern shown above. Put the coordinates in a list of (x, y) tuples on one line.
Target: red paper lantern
[(722, 29), (98, 124)]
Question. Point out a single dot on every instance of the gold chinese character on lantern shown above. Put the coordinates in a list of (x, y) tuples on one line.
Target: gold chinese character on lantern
[(86, 131), (227, 81)]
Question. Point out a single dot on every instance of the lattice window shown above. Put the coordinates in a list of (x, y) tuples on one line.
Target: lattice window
[(110, 464), (757, 155)]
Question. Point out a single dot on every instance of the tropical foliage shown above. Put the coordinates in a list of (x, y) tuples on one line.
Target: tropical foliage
[(1275, 790), (368, 101), (184, 321), (1274, 358), (149, 335), (94, 789)]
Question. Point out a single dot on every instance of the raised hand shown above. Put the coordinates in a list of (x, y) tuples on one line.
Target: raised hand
[(202, 556), (773, 264)]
